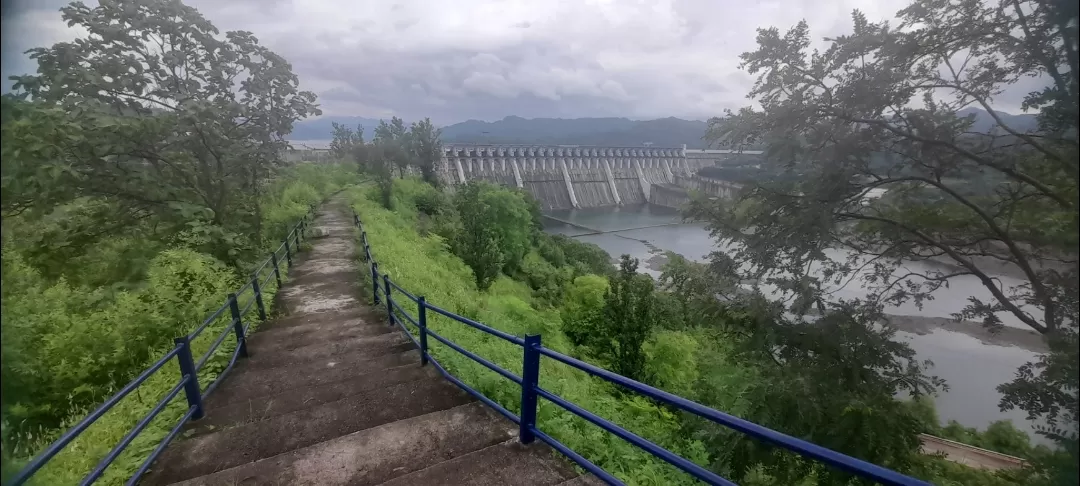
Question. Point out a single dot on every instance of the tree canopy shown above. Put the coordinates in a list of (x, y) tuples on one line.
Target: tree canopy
[(154, 109), (889, 173)]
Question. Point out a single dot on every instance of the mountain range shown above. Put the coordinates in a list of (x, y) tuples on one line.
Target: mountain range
[(612, 132)]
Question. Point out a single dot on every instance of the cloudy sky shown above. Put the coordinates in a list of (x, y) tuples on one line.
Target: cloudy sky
[(485, 59)]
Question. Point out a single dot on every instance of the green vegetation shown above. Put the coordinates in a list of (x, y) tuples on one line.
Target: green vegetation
[(140, 186), (688, 343), (882, 110), (425, 265), (616, 330), (494, 230), (72, 339)]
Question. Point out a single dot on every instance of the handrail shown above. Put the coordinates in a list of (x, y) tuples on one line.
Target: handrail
[(529, 430), (469, 322), (188, 382), (406, 292), (209, 320), (213, 347)]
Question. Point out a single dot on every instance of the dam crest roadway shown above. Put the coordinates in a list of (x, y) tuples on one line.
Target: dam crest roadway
[(572, 177)]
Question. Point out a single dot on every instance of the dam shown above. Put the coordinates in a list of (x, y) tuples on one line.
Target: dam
[(574, 177)]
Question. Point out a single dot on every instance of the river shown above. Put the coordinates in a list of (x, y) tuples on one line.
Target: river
[(970, 362)]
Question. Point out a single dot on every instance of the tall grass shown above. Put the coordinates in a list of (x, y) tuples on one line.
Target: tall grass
[(423, 265)]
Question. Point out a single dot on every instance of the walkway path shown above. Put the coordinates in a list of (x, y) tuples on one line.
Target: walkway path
[(332, 395)]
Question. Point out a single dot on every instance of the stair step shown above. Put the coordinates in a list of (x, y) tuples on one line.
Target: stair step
[(374, 455), (303, 334), (232, 447), (247, 383), (322, 286), (338, 334), (332, 315), (266, 407), (319, 271), (504, 464), (369, 347)]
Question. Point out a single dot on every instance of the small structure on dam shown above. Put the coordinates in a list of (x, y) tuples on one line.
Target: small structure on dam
[(677, 194), (565, 177)]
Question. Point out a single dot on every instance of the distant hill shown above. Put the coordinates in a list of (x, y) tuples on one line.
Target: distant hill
[(614, 132), (984, 123), (322, 128)]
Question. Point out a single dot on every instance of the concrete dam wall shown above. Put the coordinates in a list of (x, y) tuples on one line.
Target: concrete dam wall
[(677, 194), (573, 177)]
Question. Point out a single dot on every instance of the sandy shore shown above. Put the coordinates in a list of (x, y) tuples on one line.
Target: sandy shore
[(1007, 336)]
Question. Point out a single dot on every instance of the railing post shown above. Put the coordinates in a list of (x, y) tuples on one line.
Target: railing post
[(288, 252), (299, 233), (386, 295), (375, 282), (422, 319), (187, 368), (258, 296), (530, 376), (277, 273), (238, 325), (298, 239)]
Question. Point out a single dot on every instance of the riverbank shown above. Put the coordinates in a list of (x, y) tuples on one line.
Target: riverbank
[(972, 360), (1006, 336), (1026, 339)]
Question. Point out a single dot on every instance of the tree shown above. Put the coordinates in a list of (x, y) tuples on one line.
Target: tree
[(686, 281), (393, 138), (346, 141), (495, 230), (880, 111), (617, 332), (426, 149), (152, 108)]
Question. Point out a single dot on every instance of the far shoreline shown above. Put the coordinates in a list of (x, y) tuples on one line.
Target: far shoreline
[(1006, 336)]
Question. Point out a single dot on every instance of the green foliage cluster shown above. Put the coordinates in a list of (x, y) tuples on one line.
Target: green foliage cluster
[(424, 264), (873, 145), (495, 230), (394, 146), (616, 332), (75, 330), (812, 385)]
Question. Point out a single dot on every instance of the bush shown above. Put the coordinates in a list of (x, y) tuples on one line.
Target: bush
[(672, 361), (69, 345), (496, 229), (586, 257), (70, 340), (546, 280)]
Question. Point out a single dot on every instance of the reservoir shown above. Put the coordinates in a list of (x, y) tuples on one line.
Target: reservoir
[(972, 365)]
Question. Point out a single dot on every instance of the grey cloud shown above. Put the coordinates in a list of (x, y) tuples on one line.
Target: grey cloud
[(481, 59)]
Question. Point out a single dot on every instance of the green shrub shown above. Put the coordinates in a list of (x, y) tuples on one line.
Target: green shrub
[(495, 230), (672, 361), (69, 345), (587, 257), (546, 280)]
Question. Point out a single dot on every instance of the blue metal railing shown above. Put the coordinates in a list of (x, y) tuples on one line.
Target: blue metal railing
[(189, 369), (533, 350)]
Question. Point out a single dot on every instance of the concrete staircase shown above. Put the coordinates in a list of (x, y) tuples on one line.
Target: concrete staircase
[(332, 395)]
